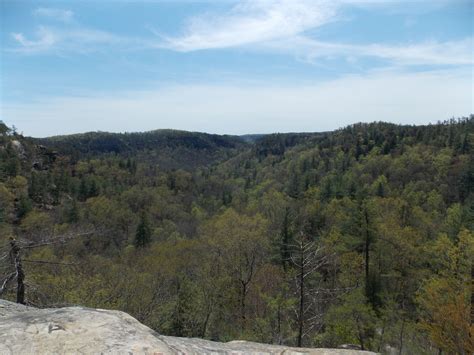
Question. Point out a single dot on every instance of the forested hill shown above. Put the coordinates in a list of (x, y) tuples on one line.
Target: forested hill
[(363, 235), (168, 148)]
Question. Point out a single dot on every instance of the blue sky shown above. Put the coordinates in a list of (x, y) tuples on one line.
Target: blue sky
[(232, 67)]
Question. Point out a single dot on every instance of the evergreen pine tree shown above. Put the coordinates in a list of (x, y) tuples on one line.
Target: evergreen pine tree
[(143, 233), (24, 206), (73, 212)]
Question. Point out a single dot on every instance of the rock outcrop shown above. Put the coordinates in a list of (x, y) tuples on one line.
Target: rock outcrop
[(79, 330)]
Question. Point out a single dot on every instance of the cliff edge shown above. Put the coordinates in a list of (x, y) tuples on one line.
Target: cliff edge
[(79, 330)]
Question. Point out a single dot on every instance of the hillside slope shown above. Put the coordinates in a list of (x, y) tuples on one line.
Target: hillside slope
[(170, 149)]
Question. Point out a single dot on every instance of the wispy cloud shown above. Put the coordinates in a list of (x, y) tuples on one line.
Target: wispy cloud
[(69, 36), (251, 22), (45, 39), (256, 21), (55, 14), (76, 39), (411, 98), (458, 52), (282, 25)]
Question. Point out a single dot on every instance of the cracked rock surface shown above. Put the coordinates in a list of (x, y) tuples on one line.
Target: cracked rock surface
[(79, 330)]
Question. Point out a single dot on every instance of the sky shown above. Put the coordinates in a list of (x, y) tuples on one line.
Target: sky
[(232, 67)]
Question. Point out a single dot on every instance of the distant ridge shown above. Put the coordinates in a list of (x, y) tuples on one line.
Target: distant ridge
[(171, 149)]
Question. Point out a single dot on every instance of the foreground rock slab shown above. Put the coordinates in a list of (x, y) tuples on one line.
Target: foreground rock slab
[(79, 330)]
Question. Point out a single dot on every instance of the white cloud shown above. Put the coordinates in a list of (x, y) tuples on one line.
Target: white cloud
[(257, 25), (426, 53), (280, 25), (411, 98), (83, 40), (258, 21), (45, 40), (251, 22), (55, 14), (71, 39)]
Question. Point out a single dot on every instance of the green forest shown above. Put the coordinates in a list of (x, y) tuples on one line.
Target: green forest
[(363, 235)]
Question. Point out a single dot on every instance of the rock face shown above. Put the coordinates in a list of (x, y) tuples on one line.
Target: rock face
[(78, 330), (73, 330)]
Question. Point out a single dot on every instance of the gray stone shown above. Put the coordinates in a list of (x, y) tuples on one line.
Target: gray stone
[(18, 147), (79, 330)]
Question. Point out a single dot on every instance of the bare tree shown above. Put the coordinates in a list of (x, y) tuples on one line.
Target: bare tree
[(308, 256), (14, 259)]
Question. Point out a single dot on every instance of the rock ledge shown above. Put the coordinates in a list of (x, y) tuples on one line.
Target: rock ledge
[(79, 330)]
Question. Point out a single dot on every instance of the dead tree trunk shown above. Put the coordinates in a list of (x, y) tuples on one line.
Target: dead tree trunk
[(308, 257), (302, 290), (19, 273), (15, 260)]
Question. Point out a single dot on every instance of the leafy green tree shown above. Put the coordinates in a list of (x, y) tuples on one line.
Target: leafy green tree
[(446, 299), (353, 321), (6, 204), (239, 244)]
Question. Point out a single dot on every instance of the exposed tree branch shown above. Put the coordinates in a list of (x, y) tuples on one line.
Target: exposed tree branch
[(7, 280)]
